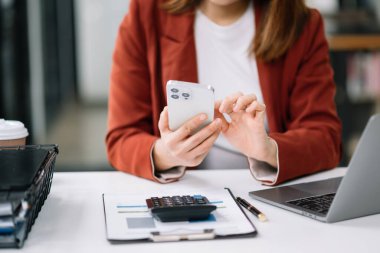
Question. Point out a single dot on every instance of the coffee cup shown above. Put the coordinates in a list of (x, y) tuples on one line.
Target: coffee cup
[(12, 133)]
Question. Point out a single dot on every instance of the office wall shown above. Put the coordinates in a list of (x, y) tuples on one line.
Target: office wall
[(324, 6), (52, 66), (97, 23)]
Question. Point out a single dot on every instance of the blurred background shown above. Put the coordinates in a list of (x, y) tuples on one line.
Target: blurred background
[(55, 60)]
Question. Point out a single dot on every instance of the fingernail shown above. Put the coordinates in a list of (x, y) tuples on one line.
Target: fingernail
[(218, 121), (203, 117)]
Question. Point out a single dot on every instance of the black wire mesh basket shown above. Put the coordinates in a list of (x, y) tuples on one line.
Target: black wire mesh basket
[(20, 208)]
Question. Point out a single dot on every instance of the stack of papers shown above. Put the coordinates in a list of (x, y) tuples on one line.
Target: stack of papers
[(13, 221), (129, 219)]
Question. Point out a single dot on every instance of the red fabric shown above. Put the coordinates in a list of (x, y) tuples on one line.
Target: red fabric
[(154, 47)]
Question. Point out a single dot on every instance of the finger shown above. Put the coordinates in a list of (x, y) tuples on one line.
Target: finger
[(217, 104), (202, 135), (217, 113), (229, 102), (224, 125), (255, 106), (188, 127), (220, 115), (243, 102), (204, 147), (261, 113), (163, 122)]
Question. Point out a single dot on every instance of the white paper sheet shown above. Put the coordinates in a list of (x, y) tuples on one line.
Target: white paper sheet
[(128, 217)]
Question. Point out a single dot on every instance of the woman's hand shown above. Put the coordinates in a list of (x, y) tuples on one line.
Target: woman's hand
[(246, 131), (180, 148)]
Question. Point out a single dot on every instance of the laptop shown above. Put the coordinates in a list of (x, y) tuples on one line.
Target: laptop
[(336, 199), (19, 168)]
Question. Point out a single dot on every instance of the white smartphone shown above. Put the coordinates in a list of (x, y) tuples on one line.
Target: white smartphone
[(186, 100)]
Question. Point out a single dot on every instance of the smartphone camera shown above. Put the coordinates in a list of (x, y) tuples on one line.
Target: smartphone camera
[(186, 95), (180, 94)]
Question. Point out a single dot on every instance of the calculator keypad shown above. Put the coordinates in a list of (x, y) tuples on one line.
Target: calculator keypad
[(177, 201), (180, 208)]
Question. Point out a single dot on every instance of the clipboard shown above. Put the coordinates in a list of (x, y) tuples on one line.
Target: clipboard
[(128, 219)]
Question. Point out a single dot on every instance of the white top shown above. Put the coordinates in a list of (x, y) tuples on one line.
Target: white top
[(224, 60)]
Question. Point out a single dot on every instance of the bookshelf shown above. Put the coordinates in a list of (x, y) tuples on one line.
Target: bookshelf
[(354, 42), (354, 58)]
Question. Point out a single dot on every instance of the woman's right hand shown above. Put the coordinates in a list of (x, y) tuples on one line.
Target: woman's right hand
[(180, 147)]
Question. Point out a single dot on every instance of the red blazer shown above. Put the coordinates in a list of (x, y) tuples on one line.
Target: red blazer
[(298, 89)]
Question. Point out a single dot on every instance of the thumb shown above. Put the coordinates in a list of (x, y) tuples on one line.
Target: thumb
[(261, 114), (163, 122), (218, 114)]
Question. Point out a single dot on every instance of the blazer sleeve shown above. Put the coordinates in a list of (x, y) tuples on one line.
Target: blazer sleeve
[(130, 135), (312, 141)]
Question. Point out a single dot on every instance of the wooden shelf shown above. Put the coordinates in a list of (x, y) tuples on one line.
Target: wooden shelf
[(348, 42)]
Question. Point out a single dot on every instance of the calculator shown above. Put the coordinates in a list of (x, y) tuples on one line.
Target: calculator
[(180, 208)]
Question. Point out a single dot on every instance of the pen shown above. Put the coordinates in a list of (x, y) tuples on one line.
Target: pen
[(252, 209)]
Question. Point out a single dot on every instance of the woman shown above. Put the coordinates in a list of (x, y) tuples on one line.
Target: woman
[(271, 51)]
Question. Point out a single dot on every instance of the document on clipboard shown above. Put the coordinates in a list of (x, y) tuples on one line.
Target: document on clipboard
[(128, 218)]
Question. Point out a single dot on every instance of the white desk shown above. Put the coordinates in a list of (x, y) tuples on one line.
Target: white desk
[(72, 218)]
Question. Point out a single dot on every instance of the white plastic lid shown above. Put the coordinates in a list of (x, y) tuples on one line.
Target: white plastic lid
[(12, 130)]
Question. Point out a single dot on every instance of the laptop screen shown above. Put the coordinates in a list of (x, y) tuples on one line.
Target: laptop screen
[(18, 168)]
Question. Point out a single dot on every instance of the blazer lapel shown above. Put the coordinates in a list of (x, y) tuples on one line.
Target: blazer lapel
[(178, 59)]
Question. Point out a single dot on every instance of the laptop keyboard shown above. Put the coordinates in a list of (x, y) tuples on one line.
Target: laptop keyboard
[(319, 204)]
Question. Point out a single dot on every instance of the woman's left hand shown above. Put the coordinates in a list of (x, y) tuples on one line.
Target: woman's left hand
[(246, 131)]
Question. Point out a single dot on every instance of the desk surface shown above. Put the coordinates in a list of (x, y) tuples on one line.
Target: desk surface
[(72, 218)]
